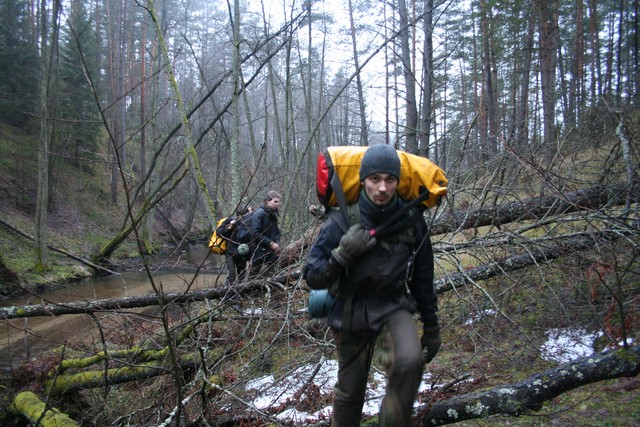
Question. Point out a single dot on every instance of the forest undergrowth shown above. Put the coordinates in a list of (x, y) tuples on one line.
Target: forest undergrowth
[(492, 335)]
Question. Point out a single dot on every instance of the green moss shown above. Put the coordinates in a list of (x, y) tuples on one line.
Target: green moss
[(31, 407)]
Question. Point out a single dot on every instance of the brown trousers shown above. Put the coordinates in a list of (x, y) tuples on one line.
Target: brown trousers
[(404, 373)]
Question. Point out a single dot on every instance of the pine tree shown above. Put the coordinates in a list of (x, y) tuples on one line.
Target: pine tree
[(79, 127), (18, 66)]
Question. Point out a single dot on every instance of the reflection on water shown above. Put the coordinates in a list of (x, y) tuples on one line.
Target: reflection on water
[(21, 339)]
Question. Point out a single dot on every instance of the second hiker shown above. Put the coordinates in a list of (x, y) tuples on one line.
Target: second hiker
[(265, 234)]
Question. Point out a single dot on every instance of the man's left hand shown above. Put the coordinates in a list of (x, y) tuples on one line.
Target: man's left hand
[(430, 343)]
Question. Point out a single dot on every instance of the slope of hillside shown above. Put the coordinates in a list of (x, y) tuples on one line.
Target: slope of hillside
[(81, 215)]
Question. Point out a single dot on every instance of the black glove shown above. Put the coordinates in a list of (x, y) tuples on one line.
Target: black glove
[(355, 242), (430, 342)]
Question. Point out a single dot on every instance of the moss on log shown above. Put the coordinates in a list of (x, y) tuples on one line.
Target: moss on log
[(35, 410), (66, 383), (134, 353)]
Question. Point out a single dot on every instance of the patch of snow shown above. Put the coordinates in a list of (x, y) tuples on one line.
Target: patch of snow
[(630, 342), (252, 311), (567, 344), (480, 316), (272, 392)]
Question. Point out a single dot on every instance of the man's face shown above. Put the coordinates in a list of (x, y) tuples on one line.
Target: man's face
[(273, 203), (380, 187)]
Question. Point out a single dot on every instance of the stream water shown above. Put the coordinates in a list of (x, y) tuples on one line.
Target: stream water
[(24, 339)]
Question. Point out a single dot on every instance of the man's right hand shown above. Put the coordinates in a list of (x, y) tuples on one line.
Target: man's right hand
[(355, 242), (275, 248)]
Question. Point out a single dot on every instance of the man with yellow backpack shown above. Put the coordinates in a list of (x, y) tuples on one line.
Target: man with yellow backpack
[(376, 281), (236, 252)]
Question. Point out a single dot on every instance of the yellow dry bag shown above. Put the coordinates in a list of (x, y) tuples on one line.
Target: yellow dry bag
[(417, 174), (218, 244)]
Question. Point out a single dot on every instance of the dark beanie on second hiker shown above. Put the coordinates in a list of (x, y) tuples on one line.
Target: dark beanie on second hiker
[(380, 158)]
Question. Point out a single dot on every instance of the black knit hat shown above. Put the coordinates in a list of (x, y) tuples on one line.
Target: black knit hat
[(380, 158)]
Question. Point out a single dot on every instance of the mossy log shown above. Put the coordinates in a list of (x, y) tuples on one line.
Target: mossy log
[(66, 383), (134, 354), (35, 410)]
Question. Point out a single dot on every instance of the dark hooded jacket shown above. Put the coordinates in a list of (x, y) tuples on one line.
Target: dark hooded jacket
[(377, 279), (264, 231)]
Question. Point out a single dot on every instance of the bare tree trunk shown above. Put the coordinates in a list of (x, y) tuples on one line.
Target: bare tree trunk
[(635, 60), (411, 116), (576, 93), (147, 225), (619, 58), (48, 45), (548, 26), (427, 82), (364, 135), (387, 82), (489, 95), (594, 64), (522, 108), (42, 198), (121, 92), (563, 85), (115, 34), (236, 172)]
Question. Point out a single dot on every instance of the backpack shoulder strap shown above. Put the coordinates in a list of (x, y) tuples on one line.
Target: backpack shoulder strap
[(353, 213), (345, 221)]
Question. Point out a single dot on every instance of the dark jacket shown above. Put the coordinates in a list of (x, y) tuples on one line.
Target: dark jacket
[(264, 231), (225, 230), (378, 276)]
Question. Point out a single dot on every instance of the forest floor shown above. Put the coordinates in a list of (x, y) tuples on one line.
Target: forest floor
[(512, 355), (464, 350)]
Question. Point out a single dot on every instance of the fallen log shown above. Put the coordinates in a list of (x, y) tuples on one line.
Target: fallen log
[(528, 395), (562, 246), (66, 383), (84, 307), (531, 209), (28, 405), (135, 354)]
